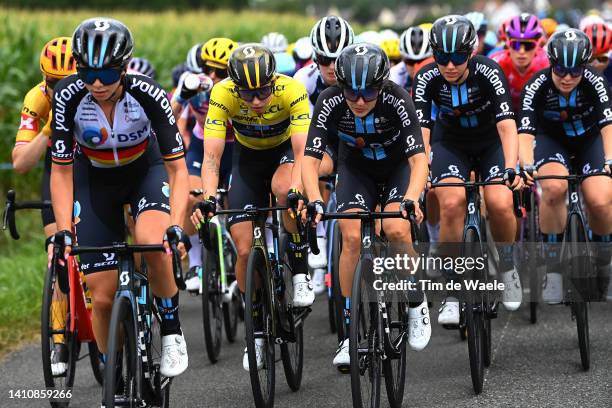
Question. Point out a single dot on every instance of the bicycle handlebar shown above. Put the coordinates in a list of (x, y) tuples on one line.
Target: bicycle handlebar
[(12, 206), (572, 177)]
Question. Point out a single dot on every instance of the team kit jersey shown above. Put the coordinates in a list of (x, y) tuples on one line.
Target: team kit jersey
[(311, 78), (286, 113), (35, 115)]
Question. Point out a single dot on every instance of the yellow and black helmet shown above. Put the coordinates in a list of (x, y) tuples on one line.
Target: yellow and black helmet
[(252, 66), (216, 52)]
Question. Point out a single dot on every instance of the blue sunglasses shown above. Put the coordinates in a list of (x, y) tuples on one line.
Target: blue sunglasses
[(457, 58), (107, 76), (368, 94), (562, 71)]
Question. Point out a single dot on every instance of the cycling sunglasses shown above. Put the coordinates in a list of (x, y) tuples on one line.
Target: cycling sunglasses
[(368, 94), (107, 76), (411, 62), (516, 45), (562, 71), (262, 93), (457, 58), (323, 60), (220, 73), (602, 59)]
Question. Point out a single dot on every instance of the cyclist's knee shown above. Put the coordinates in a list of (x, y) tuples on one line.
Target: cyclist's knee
[(397, 231), (554, 191), (452, 206), (351, 240), (500, 207), (102, 302)]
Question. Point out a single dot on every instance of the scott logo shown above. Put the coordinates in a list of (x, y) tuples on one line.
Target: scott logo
[(248, 52), (360, 199), (471, 208), (453, 169), (608, 113), (494, 170), (410, 141), (574, 197), (570, 35), (450, 20), (60, 147), (124, 278), (525, 122), (316, 142), (504, 107), (101, 25), (367, 242), (361, 50)]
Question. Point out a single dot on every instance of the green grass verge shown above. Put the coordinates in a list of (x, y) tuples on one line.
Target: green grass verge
[(22, 267)]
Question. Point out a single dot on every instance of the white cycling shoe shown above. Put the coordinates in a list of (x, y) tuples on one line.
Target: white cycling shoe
[(192, 281), (553, 290), (320, 260), (174, 360), (59, 359), (513, 292), (259, 355), (303, 292), (449, 312), (318, 281), (420, 326), (342, 359)]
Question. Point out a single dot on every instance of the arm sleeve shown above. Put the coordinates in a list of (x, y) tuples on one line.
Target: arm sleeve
[(409, 124), (322, 120), (218, 113), (66, 97), (527, 116), (494, 83), (421, 94), (299, 109), (159, 111)]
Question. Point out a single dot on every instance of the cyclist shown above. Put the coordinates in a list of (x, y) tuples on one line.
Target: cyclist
[(269, 114), (111, 116), (568, 111), (600, 36), (32, 140), (474, 125), (214, 56), (480, 23), (141, 66), (414, 49), (329, 36), (275, 42), (391, 47), (194, 59), (523, 57), (380, 144), (302, 53)]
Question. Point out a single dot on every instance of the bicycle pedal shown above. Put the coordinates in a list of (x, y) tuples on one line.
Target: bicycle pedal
[(451, 326), (344, 369)]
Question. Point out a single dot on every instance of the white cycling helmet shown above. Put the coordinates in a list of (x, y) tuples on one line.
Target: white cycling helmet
[(141, 66), (302, 49), (478, 20), (330, 35), (370, 37), (275, 42), (388, 34), (194, 61), (414, 44)]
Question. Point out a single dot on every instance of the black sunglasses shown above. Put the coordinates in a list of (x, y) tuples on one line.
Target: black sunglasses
[(444, 58), (562, 71), (220, 73), (368, 94), (323, 60), (529, 45), (262, 93)]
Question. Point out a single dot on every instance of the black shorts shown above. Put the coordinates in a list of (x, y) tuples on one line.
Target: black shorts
[(101, 193), (454, 157), (365, 186), (45, 193), (252, 172), (588, 152), (195, 154)]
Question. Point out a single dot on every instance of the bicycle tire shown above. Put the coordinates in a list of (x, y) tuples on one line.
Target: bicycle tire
[(94, 360), (394, 369), (475, 330), (580, 308), (335, 282), (231, 310), (212, 314), (534, 278), (63, 382), (263, 391), (369, 363), (122, 338), (331, 303)]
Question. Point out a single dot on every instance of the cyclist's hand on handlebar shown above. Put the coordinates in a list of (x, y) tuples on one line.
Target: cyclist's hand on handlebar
[(608, 166), (407, 207), (295, 201), (175, 236), (314, 211), (64, 241), (512, 181), (528, 172), (203, 211)]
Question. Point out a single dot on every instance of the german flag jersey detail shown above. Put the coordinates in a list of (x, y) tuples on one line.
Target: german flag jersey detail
[(287, 113), (141, 113)]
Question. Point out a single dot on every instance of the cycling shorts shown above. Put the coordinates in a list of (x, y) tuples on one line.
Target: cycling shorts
[(101, 193), (252, 172), (588, 152)]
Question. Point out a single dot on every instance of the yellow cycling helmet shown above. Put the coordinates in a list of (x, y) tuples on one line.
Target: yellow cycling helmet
[(391, 47), (426, 26), (216, 52), (56, 60), (549, 26)]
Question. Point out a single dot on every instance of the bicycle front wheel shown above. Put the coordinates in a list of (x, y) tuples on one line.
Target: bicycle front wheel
[(212, 313), (394, 366), (580, 265), (338, 299), (231, 309), (262, 379), (121, 366), (364, 339)]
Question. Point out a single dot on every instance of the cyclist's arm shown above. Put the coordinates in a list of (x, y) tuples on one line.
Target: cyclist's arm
[(213, 151), (527, 118), (62, 195), (30, 142), (426, 132), (298, 143), (178, 179), (421, 95), (606, 134), (215, 130), (300, 121), (25, 156), (509, 140)]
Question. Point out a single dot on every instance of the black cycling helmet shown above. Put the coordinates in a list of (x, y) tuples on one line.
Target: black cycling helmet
[(569, 48), (102, 42), (362, 66), (453, 33), (142, 66), (252, 66), (330, 35)]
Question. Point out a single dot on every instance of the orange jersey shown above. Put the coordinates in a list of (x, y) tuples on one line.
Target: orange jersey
[(35, 115)]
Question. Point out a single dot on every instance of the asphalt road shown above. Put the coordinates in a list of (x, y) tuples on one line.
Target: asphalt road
[(533, 366)]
